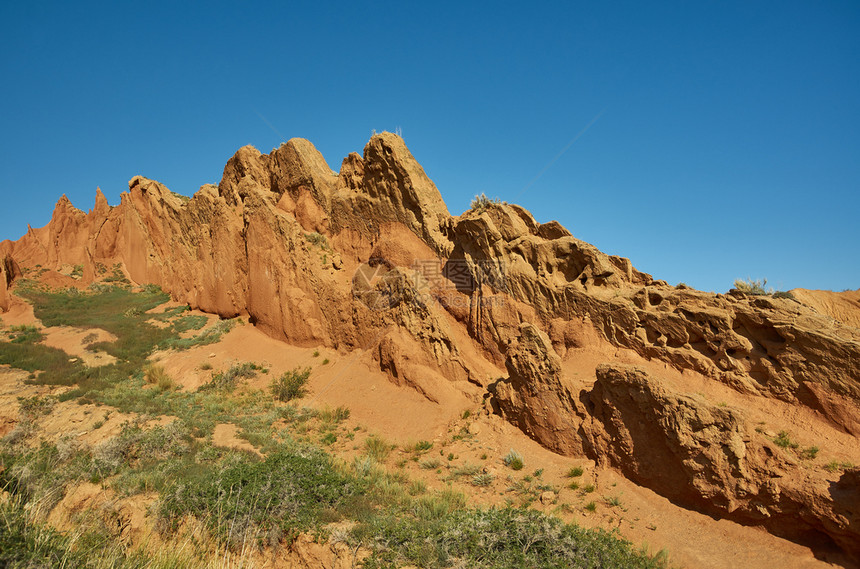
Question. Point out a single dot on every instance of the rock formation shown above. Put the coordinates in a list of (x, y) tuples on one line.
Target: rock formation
[(370, 258)]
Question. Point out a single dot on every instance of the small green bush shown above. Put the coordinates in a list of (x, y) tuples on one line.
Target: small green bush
[(784, 441), (290, 385), (575, 472)]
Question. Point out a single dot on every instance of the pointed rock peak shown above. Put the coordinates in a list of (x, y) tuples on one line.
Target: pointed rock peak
[(387, 156), (64, 206), (101, 200)]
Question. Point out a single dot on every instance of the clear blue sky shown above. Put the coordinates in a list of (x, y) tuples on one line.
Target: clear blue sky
[(724, 137)]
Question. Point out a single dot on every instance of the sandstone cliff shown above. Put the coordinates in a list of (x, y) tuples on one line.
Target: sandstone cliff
[(370, 258)]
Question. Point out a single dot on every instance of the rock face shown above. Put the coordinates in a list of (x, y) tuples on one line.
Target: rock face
[(708, 457), (370, 258)]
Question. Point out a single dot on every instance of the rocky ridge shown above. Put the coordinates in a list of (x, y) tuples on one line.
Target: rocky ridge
[(370, 258)]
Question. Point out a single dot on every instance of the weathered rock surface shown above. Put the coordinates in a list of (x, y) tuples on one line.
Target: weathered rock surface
[(708, 457), (370, 258)]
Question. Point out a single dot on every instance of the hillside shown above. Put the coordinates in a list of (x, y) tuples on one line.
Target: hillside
[(695, 421)]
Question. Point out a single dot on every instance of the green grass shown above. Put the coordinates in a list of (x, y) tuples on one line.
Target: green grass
[(190, 322), (262, 502)]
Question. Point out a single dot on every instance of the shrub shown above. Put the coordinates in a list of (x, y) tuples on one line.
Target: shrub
[(483, 479), (227, 380), (317, 239), (291, 384), (25, 334), (482, 203), (750, 286), (809, 453), (513, 460)]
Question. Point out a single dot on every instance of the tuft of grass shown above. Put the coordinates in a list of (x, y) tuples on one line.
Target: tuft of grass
[(317, 239), (290, 385), (377, 448), (333, 416), (155, 375), (483, 479), (513, 460), (575, 472), (589, 488), (430, 464), (809, 453), (482, 203), (591, 506), (783, 440)]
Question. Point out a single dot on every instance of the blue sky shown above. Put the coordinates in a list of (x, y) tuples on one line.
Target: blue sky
[(724, 137)]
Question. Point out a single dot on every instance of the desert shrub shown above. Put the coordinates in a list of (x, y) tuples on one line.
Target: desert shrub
[(751, 286), (784, 294), (483, 479), (513, 460), (482, 203), (809, 453), (290, 385), (210, 335), (227, 380)]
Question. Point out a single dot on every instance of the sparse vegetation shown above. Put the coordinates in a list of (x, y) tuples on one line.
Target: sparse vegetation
[(156, 375), (513, 460), (575, 472), (482, 203), (783, 440), (290, 385), (377, 448), (809, 453), (752, 286)]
